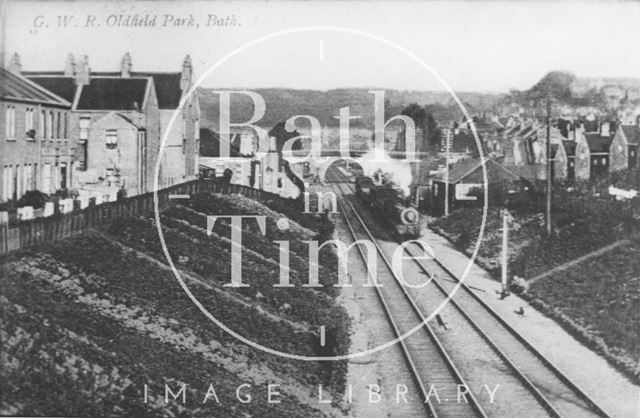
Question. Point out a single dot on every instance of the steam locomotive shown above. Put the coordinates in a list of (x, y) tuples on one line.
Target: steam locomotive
[(389, 205)]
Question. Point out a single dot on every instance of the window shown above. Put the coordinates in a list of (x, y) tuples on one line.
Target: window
[(595, 161), (633, 153), (50, 126), (58, 125), (30, 132), (604, 161), (43, 126), (34, 177), (10, 124), (46, 178), (111, 139), (7, 183), (18, 183), (26, 178), (84, 128), (66, 125)]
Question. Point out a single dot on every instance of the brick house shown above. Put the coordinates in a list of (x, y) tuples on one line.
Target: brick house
[(181, 150), (105, 153), (148, 100), (592, 155), (35, 150), (624, 148)]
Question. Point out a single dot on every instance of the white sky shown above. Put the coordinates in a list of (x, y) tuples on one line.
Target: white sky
[(474, 46)]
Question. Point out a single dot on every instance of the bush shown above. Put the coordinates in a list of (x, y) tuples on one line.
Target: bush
[(34, 198)]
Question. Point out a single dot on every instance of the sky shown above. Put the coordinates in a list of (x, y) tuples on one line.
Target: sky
[(409, 45)]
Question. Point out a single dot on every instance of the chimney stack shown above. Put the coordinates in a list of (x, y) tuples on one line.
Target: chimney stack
[(187, 73), (125, 66), (15, 66), (83, 75), (70, 66)]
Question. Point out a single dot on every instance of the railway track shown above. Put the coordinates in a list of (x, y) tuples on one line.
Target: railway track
[(428, 362), (539, 380)]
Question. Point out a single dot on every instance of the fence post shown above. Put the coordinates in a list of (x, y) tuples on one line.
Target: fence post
[(4, 231)]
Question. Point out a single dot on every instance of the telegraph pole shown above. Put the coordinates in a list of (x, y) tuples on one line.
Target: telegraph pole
[(505, 251), (446, 172), (548, 214)]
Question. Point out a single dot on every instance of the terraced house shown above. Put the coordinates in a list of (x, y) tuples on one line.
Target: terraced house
[(592, 157), (119, 120), (624, 148), (35, 147)]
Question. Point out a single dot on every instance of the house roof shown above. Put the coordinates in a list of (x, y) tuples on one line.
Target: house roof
[(19, 88), (632, 133), (167, 86), (472, 169), (569, 148), (167, 89), (63, 86), (598, 143), (210, 145), (113, 93), (463, 142)]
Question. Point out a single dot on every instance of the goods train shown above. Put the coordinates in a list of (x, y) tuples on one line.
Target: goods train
[(389, 205)]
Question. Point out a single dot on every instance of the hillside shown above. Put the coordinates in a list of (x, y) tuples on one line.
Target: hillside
[(594, 299), (88, 321), (282, 103), (573, 91), (601, 298)]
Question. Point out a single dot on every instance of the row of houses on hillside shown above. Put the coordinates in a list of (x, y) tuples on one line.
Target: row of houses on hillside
[(580, 150), (97, 131)]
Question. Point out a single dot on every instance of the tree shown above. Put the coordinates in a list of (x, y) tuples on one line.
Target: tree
[(282, 136), (556, 83), (417, 113)]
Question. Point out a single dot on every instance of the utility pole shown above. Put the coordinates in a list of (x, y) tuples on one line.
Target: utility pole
[(505, 250), (446, 172), (548, 215)]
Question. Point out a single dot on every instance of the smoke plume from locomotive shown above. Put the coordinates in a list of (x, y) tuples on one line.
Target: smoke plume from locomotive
[(397, 171)]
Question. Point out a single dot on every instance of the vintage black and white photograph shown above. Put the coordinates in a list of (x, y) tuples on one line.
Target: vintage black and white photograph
[(305, 208)]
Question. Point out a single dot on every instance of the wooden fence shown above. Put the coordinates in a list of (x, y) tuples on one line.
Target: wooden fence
[(25, 234)]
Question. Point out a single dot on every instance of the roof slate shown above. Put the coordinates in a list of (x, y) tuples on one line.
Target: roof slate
[(569, 148), (111, 93), (167, 86), (632, 133), (598, 143), (19, 88), (64, 87), (466, 168)]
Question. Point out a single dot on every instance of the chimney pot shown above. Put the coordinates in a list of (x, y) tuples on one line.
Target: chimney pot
[(15, 66), (125, 66), (83, 74), (70, 66), (187, 74)]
